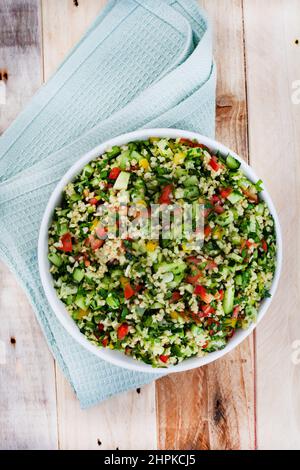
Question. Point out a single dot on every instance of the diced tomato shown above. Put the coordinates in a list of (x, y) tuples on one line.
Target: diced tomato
[(211, 265), (100, 326), (264, 245), (190, 143), (253, 197), (205, 345), (128, 291), (236, 310), (204, 295), (215, 199), (251, 244), (122, 331), (114, 173), (94, 243), (101, 232), (94, 201), (66, 243), (243, 244), (212, 321), (219, 209), (207, 230), (206, 311), (176, 296), (220, 294), (165, 197), (105, 342), (164, 358), (87, 263), (225, 192), (193, 260), (193, 278), (213, 163), (231, 333)]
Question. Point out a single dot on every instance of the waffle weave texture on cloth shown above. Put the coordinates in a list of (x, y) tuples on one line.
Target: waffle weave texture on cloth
[(142, 64)]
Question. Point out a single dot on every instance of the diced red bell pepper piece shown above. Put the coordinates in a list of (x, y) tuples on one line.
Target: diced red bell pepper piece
[(164, 358), (122, 331), (128, 291), (66, 243), (105, 342), (114, 173), (213, 163), (264, 245), (165, 197)]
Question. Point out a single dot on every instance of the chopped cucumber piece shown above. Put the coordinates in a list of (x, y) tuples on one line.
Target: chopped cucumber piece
[(235, 257), (225, 219), (78, 274), (55, 259), (112, 301), (122, 181), (192, 193), (80, 301), (115, 151), (228, 300), (123, 159), (232, 163), (234, 197), (191, 181)]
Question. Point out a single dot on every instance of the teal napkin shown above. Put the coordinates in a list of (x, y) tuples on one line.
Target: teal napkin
[(141, 64)]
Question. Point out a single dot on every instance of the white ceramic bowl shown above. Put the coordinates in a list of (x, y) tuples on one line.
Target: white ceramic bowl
[(116, 357)]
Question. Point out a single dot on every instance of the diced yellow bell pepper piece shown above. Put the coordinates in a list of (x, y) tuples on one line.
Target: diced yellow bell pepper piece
[(124, 281), (81, 314), (151, 246), (144, 164), (178, 158), (95, 224), (174, 315), (140, 202), (111, 346)]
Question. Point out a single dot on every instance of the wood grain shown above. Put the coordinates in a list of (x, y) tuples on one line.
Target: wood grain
[(27, 379), (121, 421), (273, 60), (214, 407)]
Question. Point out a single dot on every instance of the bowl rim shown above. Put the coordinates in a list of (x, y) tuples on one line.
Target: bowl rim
[(118, 358)]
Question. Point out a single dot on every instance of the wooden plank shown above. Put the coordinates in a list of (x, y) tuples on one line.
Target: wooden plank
[(27, 379), (126, 421), (273, 59), (121, 421), (213, 407)]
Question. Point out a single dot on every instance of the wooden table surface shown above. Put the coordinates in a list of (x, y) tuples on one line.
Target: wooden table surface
[(250, 398)]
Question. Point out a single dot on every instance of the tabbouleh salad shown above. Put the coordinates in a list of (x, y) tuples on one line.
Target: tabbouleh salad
[(159, 300)]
